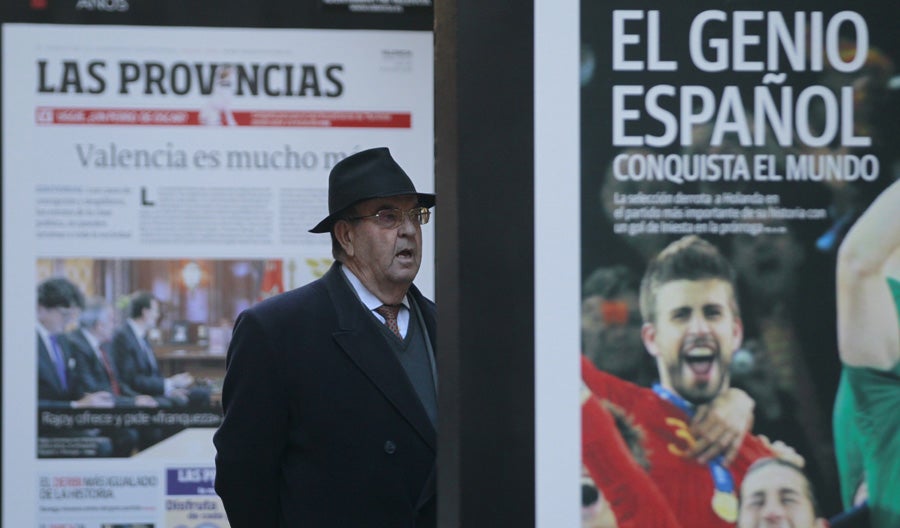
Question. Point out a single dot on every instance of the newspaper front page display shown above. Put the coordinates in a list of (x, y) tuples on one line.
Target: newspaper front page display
[(761, 134), (187, 163)]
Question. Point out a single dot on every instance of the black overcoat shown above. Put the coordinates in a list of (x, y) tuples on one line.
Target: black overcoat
[(322, 427)]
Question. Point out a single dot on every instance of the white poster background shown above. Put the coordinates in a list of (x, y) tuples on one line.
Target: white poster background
[(58, 142), (557, 253)]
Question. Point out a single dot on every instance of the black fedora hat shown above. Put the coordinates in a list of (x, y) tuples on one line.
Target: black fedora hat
[(371, 173)]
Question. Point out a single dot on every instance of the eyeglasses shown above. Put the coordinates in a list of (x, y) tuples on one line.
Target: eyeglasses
[(67, 312), (392, 218)]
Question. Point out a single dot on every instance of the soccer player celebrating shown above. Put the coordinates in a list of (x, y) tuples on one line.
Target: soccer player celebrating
[(866, 416), (698, 453)]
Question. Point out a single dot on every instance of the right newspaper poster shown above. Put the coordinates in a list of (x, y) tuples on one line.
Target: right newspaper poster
[(740, 252)]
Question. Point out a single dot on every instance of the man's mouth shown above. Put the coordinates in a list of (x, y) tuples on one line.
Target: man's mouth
[(405, 254), (700, 360)]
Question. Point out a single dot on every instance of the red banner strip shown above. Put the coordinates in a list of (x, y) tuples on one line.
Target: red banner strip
[(256, 118)]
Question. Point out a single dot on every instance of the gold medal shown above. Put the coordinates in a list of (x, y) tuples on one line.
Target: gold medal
[(725, 505)]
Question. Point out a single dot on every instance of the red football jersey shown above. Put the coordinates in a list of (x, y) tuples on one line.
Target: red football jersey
[(631, 493), (687, 485)]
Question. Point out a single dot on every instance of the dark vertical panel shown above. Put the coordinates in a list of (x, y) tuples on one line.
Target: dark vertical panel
[(485, 270), (447, 243)]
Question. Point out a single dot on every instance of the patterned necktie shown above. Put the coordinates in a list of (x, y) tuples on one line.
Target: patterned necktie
[(60, 363), (113, 382), (389, 312)]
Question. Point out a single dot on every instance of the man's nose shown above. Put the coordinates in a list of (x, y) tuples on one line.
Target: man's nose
[(773, 512), (698, 324), (408, 224)]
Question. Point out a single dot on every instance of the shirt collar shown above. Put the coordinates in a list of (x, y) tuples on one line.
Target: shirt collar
[(368, 298), (138, 331), (43, 332), (94, 342), (46, 337)]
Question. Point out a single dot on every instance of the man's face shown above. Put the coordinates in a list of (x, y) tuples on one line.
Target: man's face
[(151, 314), (385, 259), (776, 497), (103, 330), (769, 264), (58, 318), (611, 333), (694, 337)]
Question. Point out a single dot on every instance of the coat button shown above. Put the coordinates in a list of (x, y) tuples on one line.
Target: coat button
[(390, 447)]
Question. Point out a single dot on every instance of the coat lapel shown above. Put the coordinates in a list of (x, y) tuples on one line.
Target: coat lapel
[(47, 365), (141, 353), (361, 341), (82, 347)]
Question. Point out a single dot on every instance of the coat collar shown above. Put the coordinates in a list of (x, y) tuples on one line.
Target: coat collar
[(373, 356)]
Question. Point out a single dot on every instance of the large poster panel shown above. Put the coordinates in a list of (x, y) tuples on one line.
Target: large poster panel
[(156, 182), (727, 149)]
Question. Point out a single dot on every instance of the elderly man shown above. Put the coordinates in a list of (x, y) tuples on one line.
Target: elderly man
[(89, 344), (97, 373), (330, 390)]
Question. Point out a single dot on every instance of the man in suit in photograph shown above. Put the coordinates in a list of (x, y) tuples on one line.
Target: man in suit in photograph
[(59, 303), (89, 344), (330, 390), (95, 370), (134, 357)]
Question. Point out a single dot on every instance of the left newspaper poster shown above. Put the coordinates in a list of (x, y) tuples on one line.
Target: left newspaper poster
[(156, 182)]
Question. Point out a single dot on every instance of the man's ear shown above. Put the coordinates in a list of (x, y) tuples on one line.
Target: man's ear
[(738, 333), (344, 235), (648, 336)]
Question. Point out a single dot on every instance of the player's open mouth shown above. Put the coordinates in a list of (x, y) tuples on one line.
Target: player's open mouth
[(405, 254), (700, 361)]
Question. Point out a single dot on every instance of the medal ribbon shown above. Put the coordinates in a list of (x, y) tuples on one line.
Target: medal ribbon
[(721, 476)]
